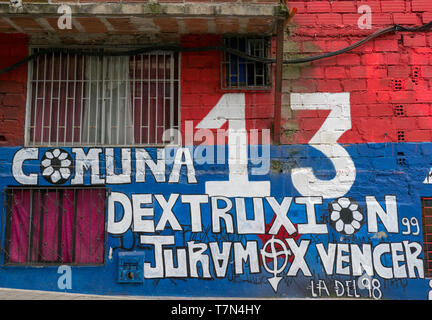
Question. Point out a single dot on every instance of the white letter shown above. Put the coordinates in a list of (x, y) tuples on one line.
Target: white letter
[(413, 261), (125, 176), (281, 219), (195, 209), (221, 213), (157, 241), (382, 271), (86, 162), (243, 254), (220, 269), (327, 258), (399, 271), (17, 165), (340, 259), (389, 218), (196, 255), (311, 226), (339, 288), (140, 225), (167, 214), (142, 158), (245, 226), (178, 163), (299, 253), (119, 227), (361, 260), (170, 270)]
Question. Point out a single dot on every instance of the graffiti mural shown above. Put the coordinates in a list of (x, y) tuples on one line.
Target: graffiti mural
[(316, 220)]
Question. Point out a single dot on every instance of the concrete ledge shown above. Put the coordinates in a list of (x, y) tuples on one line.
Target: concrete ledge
[(247, 10), (144, 22)]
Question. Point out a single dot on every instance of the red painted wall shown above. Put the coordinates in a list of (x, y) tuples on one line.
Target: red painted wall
[(391, 73), (13, 47), (201, 87), (389, 79)]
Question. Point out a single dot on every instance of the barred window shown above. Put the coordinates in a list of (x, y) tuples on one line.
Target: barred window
[(240, 73), (78, 100), (427, 235), (55, 226)]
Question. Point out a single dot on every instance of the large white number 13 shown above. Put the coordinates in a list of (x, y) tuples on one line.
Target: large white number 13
[(325, 140), (231, 108)]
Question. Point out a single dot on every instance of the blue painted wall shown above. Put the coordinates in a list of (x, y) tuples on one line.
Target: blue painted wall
[(381, 170)]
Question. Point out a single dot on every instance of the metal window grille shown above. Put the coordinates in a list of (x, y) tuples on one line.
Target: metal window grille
[(77, 100), (427, 235), (240, 73), (55, 226)]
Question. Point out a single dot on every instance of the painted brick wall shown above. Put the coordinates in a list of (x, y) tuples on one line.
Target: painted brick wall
[(201, 87), (389, 79), (144, 1), (13, 48), (389, 82)]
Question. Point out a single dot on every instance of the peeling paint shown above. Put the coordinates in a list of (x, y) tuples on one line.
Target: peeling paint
[(379, 235), (276, 166)]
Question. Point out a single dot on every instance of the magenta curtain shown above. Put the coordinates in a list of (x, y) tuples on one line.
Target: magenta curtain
[(37, 215), (90, 226), (37, 202), (50, 226), (67, 226), (18, 248)]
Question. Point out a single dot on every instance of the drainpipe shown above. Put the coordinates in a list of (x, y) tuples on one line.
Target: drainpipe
[(280, 24)]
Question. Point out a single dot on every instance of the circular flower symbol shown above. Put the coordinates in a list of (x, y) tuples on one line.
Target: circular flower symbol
[(346, 216), (56, 166)]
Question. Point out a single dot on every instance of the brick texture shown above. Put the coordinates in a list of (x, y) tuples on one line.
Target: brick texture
[(201, 90), (392, 69), (13, 48)]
